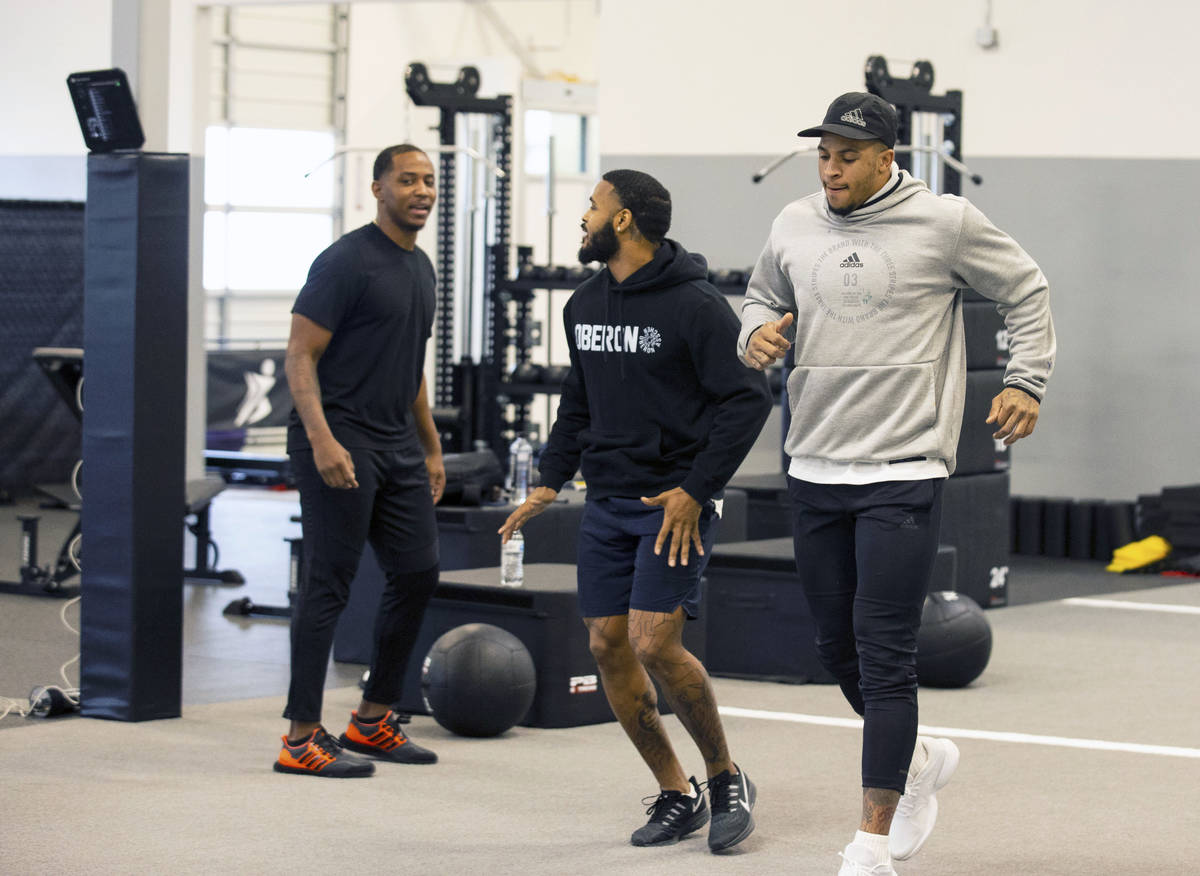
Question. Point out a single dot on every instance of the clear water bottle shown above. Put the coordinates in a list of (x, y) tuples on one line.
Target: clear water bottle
[(512, 561), (520, 466)]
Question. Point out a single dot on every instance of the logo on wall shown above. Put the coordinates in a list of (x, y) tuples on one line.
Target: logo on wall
[(650, 340), (256, 404), (583, 684)]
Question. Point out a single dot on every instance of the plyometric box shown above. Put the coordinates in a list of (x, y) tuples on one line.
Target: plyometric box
[(467, 535), (759, 623), (768, 509), (975, 520), (978, 451), (468, 539), (543, 614)]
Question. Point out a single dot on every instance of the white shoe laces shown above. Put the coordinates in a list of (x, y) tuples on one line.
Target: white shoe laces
[(919, 789)]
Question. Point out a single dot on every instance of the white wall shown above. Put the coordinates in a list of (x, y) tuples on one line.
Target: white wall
[(40, 44), (41, 149), (1069, 78)]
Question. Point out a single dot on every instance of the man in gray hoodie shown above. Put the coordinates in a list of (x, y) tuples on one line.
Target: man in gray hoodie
[(864, 281)]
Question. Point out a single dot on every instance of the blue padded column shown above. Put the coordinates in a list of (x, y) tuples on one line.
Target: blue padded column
[(135, 375)]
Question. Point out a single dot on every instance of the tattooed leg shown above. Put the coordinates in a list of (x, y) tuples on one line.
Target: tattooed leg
[(879, 805), (657, 641), (633, 700)]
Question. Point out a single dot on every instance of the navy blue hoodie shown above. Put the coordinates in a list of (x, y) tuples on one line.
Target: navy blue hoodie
[(656, 397)]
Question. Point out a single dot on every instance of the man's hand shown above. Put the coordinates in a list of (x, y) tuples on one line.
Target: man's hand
[(1015, 413), (437, 475), (767, 343), (681, 522), (335, 465), (537, 502)]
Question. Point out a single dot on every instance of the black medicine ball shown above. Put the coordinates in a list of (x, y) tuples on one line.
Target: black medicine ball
[(478, 680), (954, 642)]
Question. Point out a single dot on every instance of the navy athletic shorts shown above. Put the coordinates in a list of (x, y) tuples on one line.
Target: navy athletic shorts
[(617, 568)]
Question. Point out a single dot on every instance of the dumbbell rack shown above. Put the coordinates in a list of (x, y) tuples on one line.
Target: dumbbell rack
[(516, 389)]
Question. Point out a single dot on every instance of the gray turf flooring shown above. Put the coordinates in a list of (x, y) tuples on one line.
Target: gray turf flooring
[(196, 795)]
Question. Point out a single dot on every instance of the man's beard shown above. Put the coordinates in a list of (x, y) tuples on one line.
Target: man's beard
[(599, 247), (841, 211)]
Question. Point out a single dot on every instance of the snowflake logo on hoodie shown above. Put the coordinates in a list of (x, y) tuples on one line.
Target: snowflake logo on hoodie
[(650, 340)]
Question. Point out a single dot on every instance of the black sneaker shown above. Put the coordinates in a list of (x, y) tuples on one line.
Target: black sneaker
[(384, 739), (673, 815), (319, 754), (732, 800)]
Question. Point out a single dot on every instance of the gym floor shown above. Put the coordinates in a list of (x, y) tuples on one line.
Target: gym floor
[(1078, 747)]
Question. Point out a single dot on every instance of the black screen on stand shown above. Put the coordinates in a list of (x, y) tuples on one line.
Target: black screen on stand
[(107, 115)]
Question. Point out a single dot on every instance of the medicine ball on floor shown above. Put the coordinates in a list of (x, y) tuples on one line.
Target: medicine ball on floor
[(478, 680), (954, 642)]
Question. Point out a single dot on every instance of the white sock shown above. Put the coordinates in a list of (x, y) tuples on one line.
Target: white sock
[(691, 791), (919, 759), (876, 842)]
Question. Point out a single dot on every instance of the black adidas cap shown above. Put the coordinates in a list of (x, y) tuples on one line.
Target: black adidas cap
[(859, 116)]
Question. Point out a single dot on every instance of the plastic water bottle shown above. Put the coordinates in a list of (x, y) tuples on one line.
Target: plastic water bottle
[(512, 561), (520, 465)]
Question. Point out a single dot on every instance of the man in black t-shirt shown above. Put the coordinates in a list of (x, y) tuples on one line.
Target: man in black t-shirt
[(368, 463)]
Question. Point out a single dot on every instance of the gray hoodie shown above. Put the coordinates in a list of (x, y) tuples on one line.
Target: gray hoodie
[(878, 335)]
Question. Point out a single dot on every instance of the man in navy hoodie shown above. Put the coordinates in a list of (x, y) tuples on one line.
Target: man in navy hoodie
[(659, 414)]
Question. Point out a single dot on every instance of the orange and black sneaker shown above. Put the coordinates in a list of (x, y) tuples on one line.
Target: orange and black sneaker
[(321, 755), (384, 739)]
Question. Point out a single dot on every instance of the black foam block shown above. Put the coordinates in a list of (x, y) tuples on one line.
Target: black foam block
[(1054, 527), (1081, 528), (1029, 524), (1118, 522)]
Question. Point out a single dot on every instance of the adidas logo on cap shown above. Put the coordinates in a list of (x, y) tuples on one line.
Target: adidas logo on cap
[(854, 117)]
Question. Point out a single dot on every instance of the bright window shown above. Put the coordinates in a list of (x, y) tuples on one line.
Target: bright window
[(262, 251), (573, 147), (255, 167)]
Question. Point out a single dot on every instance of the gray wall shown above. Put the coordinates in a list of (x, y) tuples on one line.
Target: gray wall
[(1121, 247), (43, 177)]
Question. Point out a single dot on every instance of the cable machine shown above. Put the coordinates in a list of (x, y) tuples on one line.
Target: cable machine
[(465, 391), (930, 125)]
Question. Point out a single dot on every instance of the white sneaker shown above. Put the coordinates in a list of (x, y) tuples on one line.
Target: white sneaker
[(917, 810), (857, 860)]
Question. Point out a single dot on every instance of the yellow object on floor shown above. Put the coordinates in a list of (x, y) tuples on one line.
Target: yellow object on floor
[(1139, 554)]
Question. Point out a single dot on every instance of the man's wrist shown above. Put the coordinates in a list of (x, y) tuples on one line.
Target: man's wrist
[(1028, 392)]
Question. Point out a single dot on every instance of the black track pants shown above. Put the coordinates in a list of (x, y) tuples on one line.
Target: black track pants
[(864, 555), (393, 509)]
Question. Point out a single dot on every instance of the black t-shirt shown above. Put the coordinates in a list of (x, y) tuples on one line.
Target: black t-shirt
[(378, 299)]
